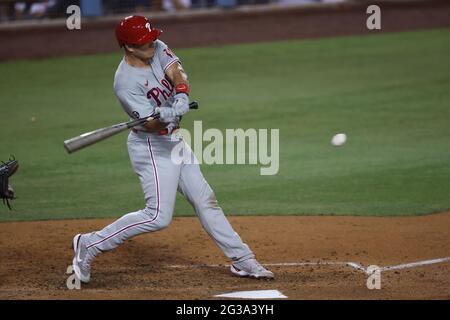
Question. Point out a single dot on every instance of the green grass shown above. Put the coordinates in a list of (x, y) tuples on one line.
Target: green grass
[(390, 93)]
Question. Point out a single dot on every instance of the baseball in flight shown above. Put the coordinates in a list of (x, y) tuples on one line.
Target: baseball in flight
[(339, 139)]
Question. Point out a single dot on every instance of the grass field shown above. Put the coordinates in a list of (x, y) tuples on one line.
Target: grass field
[(390, 93)]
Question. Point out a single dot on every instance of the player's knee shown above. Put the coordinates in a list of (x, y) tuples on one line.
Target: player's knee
[(208, 200), (157, 220), (163, 222), (211, 200)]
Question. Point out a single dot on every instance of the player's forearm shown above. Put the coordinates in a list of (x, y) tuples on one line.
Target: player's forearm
[(181, 83), (177, 75), (180, 77)]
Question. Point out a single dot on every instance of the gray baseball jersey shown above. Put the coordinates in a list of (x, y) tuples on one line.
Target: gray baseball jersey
[(139, 91)]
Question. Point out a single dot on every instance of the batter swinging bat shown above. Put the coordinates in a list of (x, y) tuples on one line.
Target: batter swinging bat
[(88, 138)]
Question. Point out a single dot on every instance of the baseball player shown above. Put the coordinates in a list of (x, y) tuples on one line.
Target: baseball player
[(151, 76)]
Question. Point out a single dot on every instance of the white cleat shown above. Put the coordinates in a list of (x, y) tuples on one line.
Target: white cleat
[(251, 268), (82, 259)]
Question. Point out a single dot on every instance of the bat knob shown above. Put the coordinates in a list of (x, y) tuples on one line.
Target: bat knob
[(193, 105)]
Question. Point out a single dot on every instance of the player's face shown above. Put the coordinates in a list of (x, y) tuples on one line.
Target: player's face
[(146, 51)]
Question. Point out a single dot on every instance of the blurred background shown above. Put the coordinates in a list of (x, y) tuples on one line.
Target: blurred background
[(37, 29), (11, 11)]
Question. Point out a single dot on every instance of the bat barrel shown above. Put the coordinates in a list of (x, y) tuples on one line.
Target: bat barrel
[(86, 139)]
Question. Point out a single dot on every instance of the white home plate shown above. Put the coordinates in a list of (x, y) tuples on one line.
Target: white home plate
[(258, 294)]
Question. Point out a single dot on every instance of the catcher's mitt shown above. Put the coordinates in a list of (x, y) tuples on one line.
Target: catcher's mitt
[(7, 169)]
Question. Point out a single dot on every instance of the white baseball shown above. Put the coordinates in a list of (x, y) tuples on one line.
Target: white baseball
[(339, 139)]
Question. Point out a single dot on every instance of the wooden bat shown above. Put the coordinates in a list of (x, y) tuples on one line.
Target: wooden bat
[(89, 138)]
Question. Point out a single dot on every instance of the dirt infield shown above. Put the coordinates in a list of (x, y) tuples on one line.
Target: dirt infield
[(225, 27), (178, 262)]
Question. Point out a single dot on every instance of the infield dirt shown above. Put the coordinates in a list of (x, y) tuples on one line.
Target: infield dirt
[(35, 255)]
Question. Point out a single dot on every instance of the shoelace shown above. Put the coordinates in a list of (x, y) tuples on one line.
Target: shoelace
[(255, 266), (259, 267)]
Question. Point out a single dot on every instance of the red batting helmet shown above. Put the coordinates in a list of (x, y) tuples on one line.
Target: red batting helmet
[(135, 30)]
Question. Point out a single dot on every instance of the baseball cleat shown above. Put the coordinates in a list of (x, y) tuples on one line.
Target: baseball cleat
[(251, 268), (82, 259)]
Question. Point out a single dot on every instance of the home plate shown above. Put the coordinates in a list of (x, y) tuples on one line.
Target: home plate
[(258, 294)]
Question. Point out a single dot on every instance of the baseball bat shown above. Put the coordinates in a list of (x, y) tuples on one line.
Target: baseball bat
[(89, 138)]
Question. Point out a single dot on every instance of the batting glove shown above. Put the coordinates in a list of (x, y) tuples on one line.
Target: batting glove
[(181, 103), (167, 114)]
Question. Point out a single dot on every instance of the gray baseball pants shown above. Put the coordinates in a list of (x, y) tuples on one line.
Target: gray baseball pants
[(161, 177)]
